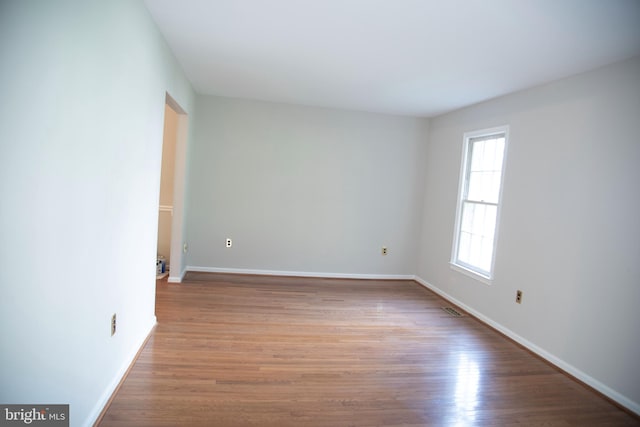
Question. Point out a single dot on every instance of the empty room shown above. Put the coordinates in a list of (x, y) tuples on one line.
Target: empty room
[(320, 213)]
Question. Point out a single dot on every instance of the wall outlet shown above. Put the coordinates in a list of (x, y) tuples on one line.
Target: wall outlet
[(113, 324), (384, 250), (229, 243), (185, 248), (519, 297)]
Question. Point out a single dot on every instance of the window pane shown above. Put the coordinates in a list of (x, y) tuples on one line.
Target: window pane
[(464, 247), (476, 251), (477, 151), (468, 210), (478, 219), (477, 230), (489, 225), (484, 186), (485, 170), (489, 155), (486, 254)]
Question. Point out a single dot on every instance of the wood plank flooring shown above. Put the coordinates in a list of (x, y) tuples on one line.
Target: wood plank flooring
[(234, 350)]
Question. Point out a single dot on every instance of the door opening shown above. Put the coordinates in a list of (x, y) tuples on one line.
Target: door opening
[(170, 210)]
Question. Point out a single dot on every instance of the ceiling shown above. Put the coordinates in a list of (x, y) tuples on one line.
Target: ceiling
[(408, 57)]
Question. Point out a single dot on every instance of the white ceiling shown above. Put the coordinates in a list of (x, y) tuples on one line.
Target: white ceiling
[(409, 57)]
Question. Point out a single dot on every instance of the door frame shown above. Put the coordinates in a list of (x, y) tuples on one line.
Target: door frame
[(176, 272)]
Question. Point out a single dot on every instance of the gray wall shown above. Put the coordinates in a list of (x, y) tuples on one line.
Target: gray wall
[(83, 91), (303, 189), (569, 234)]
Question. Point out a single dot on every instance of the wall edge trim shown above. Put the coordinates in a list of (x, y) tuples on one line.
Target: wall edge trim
[(200, 269)]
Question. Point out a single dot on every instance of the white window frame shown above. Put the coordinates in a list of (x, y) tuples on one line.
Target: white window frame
[(482, 276)]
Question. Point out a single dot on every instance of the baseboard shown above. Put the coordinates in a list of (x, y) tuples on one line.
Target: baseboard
[(554, 360), (176, 279), (105, 398), (300, 273)]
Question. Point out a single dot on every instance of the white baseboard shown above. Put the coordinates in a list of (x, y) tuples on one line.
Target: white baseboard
[(300, 273), (176, 279), (106, 395), (566, 367)]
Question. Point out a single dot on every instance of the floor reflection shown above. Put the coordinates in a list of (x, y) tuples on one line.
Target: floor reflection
[(466, 394)]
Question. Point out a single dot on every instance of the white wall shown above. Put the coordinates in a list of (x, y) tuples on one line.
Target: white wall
[(569, 235), (303, 189), (83, 86)]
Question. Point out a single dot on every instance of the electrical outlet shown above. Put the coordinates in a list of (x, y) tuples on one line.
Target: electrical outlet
[(519, 297), (229, 243), (113, 324), (185, 248), (384, 250)]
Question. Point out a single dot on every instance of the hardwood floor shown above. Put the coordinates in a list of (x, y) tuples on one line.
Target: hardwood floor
[(234, 350)]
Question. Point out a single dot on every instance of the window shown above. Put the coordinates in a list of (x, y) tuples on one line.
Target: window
[(479, 202)]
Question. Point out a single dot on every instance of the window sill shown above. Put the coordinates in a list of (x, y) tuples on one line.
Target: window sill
[(470, 273)]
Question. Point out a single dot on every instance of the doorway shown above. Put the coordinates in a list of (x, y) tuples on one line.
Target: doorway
[(170, 211)]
